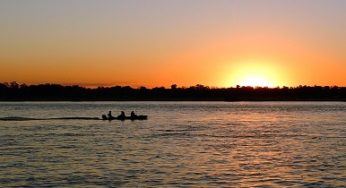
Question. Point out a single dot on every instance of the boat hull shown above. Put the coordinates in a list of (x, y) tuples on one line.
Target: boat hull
[(140, 117)]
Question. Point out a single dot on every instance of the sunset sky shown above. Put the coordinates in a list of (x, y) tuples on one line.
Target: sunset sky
[(151, 43)]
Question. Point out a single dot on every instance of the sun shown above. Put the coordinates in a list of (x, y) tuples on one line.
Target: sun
[(255, 81), (255, 74)]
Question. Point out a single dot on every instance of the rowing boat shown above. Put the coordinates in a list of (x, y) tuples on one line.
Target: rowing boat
[(137, 117)]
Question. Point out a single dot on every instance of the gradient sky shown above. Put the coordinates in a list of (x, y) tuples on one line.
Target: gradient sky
[(160, 42)]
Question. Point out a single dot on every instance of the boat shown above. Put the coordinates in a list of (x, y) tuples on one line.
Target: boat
[(132, 118)]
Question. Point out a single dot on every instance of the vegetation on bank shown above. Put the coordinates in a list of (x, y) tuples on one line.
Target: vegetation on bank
[(55, 92)]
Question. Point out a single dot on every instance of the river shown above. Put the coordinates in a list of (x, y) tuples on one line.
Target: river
[(182, 144)]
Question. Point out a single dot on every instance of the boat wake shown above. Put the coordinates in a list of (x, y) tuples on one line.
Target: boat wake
[(14, 118)]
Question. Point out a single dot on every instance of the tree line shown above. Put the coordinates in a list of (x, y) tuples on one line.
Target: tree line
[(55, 92)]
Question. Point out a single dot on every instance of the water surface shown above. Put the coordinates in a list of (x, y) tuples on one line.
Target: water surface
[(182, 144)]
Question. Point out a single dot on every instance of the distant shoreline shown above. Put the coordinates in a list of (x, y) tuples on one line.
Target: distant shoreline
[(53, 92), (172, 101)]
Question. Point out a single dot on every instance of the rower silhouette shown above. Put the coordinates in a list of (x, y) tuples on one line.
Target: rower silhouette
[(110, 116), (133, 115), (122, 115)]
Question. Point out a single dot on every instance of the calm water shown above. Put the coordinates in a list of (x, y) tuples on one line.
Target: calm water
[(182, 144)]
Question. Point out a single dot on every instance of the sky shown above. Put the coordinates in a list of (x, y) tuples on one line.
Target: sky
[(218, 43)]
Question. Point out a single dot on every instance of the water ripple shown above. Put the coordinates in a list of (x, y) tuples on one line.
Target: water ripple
[(183, 145)]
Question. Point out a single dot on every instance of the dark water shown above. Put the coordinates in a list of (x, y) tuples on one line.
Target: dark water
[(182, 144)]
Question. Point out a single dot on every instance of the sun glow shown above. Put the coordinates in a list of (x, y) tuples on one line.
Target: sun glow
[(255, 80), (259, 74)]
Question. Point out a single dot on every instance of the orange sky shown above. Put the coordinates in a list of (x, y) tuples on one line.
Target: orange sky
[(158, 43)]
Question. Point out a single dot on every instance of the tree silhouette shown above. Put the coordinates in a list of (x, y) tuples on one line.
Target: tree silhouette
[(54, 92)]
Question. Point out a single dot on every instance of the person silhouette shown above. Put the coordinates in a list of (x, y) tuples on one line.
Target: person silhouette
[(122, 115), (133, 115), (110, 115)]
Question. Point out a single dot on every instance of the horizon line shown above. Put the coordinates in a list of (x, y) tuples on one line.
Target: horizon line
[(94, 86)]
